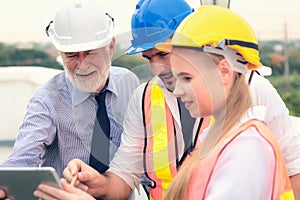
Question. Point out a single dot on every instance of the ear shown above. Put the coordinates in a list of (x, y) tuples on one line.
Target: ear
[(112, 47), (226, 73)]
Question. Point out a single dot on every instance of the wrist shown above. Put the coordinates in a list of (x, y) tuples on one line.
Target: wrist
[(102, 188)]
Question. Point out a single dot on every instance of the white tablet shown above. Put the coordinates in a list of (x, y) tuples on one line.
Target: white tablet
[(20, 182)]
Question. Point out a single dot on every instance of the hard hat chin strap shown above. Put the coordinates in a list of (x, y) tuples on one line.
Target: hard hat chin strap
[(226, 42), (47, 27)]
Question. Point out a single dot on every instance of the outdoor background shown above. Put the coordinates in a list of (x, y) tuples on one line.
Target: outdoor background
[(23, 41)]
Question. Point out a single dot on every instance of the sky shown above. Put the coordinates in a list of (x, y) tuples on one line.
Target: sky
[(25, 20)]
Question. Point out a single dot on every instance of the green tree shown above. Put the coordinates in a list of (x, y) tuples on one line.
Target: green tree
[(13, 56), (135, 63), (291, 97)]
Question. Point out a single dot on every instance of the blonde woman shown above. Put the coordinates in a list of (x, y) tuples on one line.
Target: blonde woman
[(238, 157)]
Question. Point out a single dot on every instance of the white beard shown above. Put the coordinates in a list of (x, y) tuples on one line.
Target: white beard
[(91, 83)]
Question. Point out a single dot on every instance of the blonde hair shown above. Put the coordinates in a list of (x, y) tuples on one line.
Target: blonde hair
[(226, 119)]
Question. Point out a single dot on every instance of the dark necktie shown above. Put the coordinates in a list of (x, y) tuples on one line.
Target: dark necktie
[(99, 158)]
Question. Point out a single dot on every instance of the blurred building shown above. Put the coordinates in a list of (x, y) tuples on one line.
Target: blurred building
[(17, 85)]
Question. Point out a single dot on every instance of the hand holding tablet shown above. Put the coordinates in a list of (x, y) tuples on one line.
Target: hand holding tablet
[(21, 182)]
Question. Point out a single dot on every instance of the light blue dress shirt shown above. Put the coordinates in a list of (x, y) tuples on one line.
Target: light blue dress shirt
[(58, 125)]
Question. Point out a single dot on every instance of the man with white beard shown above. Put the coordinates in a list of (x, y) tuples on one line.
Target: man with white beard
[(64, 118)]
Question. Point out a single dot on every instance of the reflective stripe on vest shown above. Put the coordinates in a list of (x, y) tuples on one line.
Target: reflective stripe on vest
[(282, 189), (160, 140)]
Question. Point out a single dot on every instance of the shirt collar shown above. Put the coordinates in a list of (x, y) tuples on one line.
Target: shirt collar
[(112, 85)]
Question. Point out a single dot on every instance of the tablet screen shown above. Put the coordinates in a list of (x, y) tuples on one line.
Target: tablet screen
[(20, 183)]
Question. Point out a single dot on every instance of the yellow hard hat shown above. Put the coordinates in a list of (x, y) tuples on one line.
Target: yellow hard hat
[(220, 27)]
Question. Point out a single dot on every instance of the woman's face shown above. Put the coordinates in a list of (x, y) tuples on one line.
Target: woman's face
[(198, 84)]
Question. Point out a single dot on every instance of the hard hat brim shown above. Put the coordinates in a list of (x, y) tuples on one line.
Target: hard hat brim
[(138, 48), (134, 50), (166, 46), (82, 47)]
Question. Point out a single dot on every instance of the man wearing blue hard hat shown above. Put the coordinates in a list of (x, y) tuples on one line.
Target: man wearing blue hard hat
[(167, 125), (156, 121)]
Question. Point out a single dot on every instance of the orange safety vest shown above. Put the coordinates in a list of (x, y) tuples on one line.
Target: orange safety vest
[(282, 189), (160, 149)]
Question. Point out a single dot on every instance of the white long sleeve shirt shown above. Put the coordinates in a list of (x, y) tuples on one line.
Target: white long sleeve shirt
[(128, 161), (278, 120)]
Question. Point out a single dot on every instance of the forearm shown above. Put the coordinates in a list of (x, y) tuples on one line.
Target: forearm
[(295, 181), (25, 154), (36, 131), (115, 188)]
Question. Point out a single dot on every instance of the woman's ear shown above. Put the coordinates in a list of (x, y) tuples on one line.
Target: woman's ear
[(225, 71)]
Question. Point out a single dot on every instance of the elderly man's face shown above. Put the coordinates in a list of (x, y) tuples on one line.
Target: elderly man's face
[(88, 70)]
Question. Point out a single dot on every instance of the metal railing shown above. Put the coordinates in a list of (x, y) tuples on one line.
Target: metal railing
[(7, 143)]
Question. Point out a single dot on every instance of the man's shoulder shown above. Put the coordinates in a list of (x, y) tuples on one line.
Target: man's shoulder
[(56, 81), (259, 81), (262, 86), (122, 75), (115, 70), (54, 85)]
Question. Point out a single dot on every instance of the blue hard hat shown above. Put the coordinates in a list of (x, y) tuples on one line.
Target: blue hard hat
[(154, 21)]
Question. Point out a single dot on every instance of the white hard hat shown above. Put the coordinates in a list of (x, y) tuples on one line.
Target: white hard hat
[(80, 26)]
